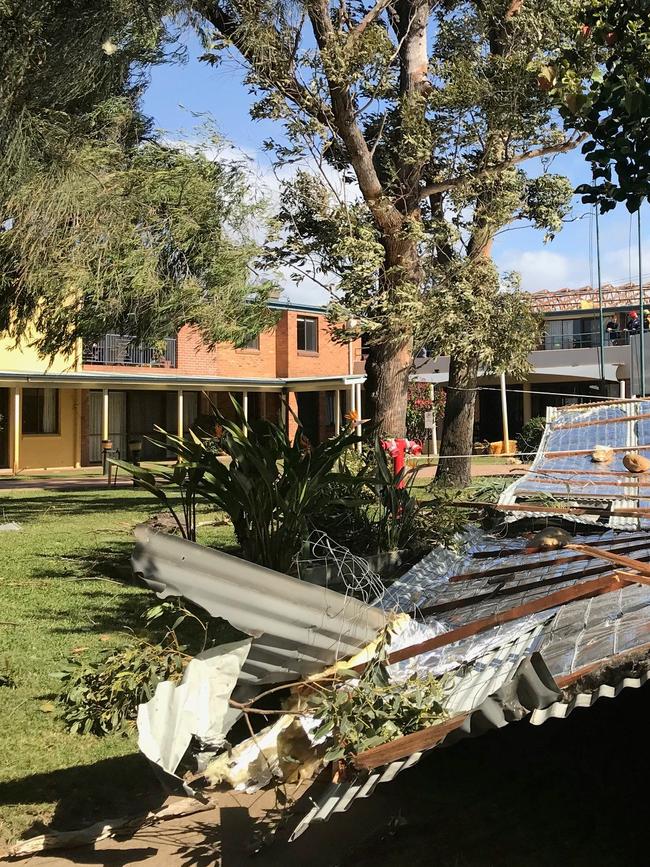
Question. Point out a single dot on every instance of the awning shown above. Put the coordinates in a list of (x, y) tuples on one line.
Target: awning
[(164, 381)]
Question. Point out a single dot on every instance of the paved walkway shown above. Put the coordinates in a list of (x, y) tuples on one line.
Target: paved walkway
[(99, 483)]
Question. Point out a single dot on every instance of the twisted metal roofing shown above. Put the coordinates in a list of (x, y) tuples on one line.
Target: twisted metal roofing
[(564, 473)]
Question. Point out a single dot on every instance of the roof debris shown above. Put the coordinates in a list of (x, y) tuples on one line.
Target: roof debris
[(513, 630), (566, 478)]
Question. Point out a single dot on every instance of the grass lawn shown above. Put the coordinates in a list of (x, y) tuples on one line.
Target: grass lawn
[(66, 589)]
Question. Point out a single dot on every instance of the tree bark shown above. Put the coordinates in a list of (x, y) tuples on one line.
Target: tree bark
[(458, 427), (388, 367)]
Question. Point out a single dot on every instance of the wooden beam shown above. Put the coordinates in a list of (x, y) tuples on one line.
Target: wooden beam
[(632, 479), (583, 495), (565, 680), (599, 421), (516, 552), (570, 454), (581, 590), (552, 510), (405, 746), (586, 472), (555, 560), (612, 557)]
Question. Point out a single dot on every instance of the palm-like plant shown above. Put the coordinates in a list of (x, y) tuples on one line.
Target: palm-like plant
[(269, 484)]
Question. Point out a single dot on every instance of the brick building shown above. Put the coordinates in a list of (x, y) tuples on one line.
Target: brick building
[(58, 415)]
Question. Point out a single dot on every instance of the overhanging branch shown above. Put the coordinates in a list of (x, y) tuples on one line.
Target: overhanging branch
[(452, 183)]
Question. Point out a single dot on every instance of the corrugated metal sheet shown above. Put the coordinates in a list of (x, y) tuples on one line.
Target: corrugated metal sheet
[(586, 485), (576, 635), (476, 692), (298, 628)]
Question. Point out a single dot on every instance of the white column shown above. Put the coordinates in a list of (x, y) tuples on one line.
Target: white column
[(358, 406), (244, 407), (434, 429), (78, 397), (337, 411), (504, 416), (105, 419), (17, 427), (179, 417), (621, 388)]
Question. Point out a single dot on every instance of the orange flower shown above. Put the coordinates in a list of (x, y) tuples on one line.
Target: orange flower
[(352, 416)]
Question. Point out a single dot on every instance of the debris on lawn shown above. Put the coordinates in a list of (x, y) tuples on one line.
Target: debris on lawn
[(495, 631), (592, 467), (10, 527)]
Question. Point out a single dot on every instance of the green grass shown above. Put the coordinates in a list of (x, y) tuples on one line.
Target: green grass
[(66, 589)]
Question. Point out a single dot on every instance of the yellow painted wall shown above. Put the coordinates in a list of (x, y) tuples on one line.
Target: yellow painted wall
[(48, 451), (26, 359)]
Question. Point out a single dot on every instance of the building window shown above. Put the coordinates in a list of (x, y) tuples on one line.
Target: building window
[(253, 343), (307, 334), (40, 410)]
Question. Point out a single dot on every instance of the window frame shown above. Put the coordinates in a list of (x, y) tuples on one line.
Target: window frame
[(252, 346), (302, 321), (40, 413)]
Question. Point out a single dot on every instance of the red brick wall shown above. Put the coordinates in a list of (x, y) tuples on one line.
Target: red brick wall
[(332, 359), (278, 355), (255, 363)]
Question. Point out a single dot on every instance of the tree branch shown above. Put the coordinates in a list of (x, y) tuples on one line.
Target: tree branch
[(289, 87), (547, 150), (343, 110), (369, 18)]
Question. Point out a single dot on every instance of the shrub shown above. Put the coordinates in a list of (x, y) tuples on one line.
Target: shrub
[(531, 435), (419, 402), (269, 488)]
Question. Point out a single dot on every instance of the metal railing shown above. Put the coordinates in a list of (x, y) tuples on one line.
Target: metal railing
[(121, 350), (585, 341)]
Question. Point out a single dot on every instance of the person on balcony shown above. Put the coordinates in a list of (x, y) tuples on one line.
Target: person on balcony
[(611, 329), (633, 322)]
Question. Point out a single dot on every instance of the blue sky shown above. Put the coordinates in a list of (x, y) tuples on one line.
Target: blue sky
[(177, 92)]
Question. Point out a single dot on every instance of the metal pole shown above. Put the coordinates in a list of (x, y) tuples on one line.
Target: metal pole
[(641, 305), (504, 416), (600, 307)]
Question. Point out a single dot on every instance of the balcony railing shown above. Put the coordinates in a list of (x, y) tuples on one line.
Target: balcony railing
[(121, 350), (585, 341)]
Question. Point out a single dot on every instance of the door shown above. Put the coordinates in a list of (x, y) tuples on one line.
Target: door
[(308, 414), (116, 424)]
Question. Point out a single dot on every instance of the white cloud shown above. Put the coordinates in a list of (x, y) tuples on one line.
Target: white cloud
[(539, 269)]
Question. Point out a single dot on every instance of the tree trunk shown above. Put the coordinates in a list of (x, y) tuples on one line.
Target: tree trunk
[(388, 368), (458, 427)]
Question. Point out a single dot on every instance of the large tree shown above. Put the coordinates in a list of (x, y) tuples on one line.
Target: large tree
[(104, 227), (430, 111)]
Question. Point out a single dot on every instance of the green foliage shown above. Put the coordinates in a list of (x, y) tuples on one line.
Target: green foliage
[(138, 242), (360, 714), (104, 227), (270, 487), (601, 82), (419, 402), (102, 695), (531, 435)]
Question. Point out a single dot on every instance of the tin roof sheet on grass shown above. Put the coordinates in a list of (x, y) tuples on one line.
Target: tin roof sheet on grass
[(564, 473)]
